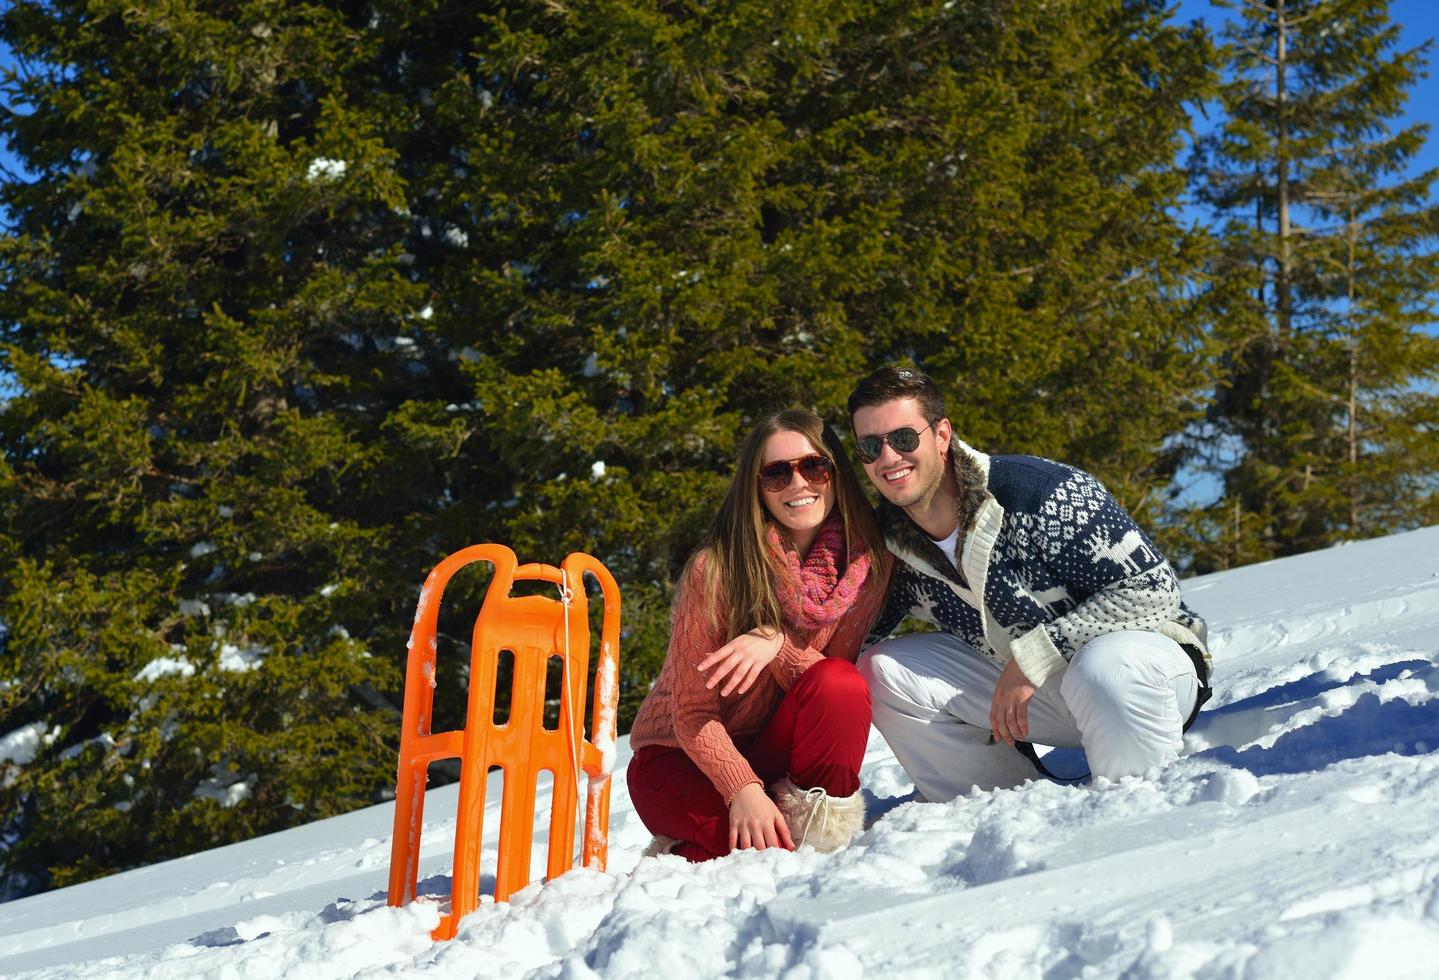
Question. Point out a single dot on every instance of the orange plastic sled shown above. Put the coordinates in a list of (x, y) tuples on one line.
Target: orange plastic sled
[(533, 629)]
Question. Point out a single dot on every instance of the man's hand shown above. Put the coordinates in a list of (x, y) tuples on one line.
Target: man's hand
[(742, 659), (755, 822), (1009, 711)]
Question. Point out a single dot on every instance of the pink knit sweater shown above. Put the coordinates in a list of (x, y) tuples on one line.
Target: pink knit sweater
[(680, 712)]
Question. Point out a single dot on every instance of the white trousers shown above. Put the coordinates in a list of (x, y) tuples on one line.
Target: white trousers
[(1124, 699)]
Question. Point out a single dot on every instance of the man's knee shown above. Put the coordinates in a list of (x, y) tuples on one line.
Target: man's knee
[(1113, 674), (899, 658), (890, 681), (890, 684), (874, 665), (925, 672)]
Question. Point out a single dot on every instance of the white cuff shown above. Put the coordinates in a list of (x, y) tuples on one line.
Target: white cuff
[(1038, 658)]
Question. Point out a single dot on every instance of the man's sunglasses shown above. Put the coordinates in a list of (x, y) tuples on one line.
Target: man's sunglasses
[(815, 469), (903, 440)]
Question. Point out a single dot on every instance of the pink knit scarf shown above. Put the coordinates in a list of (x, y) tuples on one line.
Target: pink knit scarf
[(820, 589)]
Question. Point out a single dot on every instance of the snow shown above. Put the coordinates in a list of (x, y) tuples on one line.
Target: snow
[(239, 659), (606, 696), (164, 667), (1294, 839), (323, 169), (19, 746), (224, 787)]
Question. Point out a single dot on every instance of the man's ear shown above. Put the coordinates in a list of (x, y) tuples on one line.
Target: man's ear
[(944, 433)]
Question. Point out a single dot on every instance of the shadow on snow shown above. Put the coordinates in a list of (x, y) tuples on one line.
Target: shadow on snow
[(1375, 722)]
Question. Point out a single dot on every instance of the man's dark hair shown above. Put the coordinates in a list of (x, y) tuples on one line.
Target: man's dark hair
[(887, 384)]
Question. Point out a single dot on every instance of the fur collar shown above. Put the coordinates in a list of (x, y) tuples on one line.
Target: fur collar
[(907, 539)]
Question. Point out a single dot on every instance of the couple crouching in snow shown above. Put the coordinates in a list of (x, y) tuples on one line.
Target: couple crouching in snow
[(1059, 623)]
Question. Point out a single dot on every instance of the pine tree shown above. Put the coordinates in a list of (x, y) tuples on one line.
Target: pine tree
[(213, 451), (675, 218), (1326, 284)]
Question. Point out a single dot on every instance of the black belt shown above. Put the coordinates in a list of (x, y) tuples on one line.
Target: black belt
[(1201, 671)]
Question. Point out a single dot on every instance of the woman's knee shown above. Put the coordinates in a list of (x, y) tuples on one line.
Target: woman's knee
[(833, 677), (832, 670)]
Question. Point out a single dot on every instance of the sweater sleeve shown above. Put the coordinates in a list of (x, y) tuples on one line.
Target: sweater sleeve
[(1123, 580), (845, 640), (897, 602), (695, 709), (794, 658)]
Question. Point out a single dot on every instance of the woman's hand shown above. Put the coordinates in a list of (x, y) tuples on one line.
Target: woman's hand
[(742, 659), (755, 822)]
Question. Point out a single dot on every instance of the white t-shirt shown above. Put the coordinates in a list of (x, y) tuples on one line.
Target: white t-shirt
[(950, 546)]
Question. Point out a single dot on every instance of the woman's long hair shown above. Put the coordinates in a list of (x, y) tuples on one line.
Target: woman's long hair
[(739, 566)]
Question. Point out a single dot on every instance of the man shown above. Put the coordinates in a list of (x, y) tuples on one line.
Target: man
[(1059, 621)]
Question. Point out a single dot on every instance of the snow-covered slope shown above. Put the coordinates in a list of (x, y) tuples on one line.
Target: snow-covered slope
[(1296, 839)]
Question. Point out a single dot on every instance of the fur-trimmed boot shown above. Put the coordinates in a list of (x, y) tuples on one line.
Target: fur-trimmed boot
[(660, 845), (824, 822)]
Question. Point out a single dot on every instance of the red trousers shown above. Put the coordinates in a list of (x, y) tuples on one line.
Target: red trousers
[(817, 737)]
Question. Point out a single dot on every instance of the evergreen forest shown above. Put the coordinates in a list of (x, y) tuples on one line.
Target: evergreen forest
[(298, 297)]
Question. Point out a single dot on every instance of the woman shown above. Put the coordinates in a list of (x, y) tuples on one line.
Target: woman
[(792, 575)]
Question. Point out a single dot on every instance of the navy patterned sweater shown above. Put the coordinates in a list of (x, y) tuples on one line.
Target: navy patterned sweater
[(1049, 561)]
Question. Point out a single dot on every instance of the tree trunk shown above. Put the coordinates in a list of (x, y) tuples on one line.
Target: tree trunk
[(1283, 274), (1352, 343)]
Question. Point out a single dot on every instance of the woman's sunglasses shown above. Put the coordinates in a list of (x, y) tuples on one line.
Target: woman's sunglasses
[(903, 440), (815, 469)]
